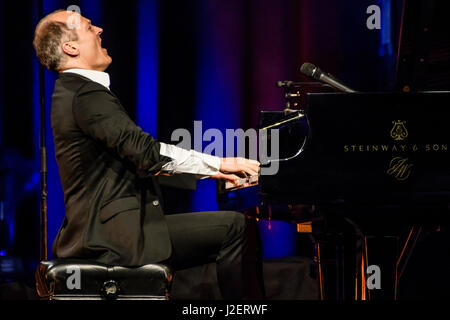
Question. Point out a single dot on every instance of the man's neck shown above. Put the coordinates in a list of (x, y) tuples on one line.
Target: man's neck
[(99, 77), (82, 67), (86, 69)]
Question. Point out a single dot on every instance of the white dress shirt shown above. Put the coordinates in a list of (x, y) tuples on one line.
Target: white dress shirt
[(183, 161), (96, 76)]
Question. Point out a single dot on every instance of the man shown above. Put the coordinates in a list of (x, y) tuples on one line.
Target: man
[(108, 165)]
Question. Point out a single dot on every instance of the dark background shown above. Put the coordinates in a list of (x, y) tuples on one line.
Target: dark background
[(175, 62)]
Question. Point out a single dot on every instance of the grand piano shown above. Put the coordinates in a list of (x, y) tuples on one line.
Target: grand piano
[(355, 165)]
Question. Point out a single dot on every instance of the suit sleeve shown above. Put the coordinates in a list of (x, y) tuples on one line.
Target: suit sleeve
[(100, 115)]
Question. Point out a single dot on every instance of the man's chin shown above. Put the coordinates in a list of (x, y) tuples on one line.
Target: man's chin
[(106, 64), (108, 58), (105, 52)]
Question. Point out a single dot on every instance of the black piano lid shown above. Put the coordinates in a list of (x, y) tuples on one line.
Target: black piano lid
[(423, 59), (381, 147)]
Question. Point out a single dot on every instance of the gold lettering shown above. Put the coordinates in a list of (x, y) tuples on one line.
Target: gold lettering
[(395, 148), (436, 147)]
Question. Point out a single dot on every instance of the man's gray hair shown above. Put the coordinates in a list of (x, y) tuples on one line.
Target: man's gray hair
[(48, 38)]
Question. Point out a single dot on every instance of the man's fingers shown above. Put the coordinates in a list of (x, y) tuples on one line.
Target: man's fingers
[(249, 166), (250, 171), (248, 162), (253, 162), (230, 177)]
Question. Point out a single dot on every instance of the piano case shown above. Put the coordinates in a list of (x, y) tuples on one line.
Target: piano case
[(85, 280)]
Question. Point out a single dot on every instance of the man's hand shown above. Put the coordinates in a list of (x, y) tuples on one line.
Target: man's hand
[(231, 167)]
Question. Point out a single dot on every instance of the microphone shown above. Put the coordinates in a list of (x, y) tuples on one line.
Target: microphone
[(314, 72)]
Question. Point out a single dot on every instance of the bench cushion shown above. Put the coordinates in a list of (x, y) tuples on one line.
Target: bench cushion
[(82, 279)]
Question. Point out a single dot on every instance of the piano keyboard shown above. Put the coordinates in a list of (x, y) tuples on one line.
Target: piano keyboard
[(242, 183)]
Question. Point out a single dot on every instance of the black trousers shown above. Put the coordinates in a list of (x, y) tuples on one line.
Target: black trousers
[(225, 237)]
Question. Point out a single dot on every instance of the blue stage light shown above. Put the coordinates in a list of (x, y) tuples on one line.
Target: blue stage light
[(147, 66)]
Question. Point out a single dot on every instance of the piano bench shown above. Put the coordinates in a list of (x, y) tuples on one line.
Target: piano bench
[(74, 279)]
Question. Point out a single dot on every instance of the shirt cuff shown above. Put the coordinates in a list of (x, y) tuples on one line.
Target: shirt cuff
[(189, 161)]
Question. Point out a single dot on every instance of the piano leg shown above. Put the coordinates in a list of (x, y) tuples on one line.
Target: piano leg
[(406, 252), (364, 270), (361, 292), (320, 272)]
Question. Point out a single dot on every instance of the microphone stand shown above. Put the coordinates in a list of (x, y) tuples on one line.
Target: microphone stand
[(293, 95), (43, 154)]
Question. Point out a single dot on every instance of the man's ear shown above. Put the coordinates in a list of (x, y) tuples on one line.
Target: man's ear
[(71, 48)]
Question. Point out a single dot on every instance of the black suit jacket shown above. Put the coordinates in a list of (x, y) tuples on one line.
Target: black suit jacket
[(113, 214)]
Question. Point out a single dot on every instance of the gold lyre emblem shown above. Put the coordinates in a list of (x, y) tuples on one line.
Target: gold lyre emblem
[(398, 131)]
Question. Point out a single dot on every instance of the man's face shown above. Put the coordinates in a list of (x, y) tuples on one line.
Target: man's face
[(91, 55), (90, 46)]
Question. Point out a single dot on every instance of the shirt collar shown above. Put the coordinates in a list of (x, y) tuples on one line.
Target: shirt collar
[(96, 76)]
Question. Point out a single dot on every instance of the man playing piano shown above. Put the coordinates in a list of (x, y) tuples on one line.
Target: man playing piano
[(108, 166)]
